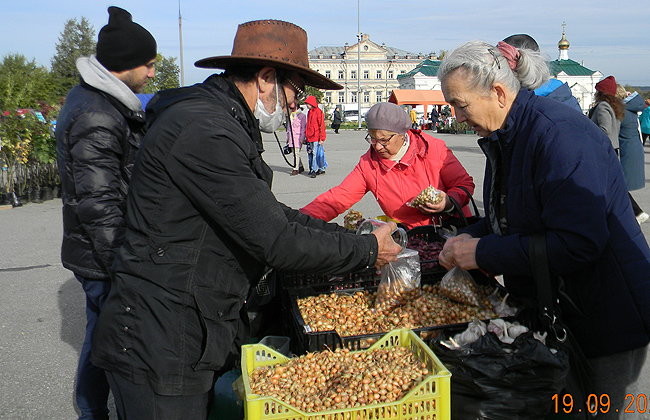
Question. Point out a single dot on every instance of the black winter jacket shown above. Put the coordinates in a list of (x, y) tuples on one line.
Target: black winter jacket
[(97, 139), (202, 224)]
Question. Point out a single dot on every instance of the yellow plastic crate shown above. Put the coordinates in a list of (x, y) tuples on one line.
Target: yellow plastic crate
[(430, 400)]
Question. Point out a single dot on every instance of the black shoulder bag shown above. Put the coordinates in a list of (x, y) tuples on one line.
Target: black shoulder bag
[(458, 218)]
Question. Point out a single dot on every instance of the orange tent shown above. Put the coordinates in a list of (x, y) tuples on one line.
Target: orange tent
[(419, 97)]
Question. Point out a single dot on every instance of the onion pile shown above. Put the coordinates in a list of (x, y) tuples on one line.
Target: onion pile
[(341, 379), (354, 314)]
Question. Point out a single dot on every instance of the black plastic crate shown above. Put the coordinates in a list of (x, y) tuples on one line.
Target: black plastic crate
[(303, 339), (365, 278), (428, 234)]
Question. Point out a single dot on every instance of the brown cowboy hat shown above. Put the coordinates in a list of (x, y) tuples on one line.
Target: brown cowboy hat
[(274, 43)]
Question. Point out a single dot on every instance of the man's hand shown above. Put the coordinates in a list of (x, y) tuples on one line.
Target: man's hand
[(459, 251), (387, 249)]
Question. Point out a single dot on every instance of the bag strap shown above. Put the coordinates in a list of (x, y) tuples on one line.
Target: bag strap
[(471, 199), (458, 210), (579, 383), (546, 298)]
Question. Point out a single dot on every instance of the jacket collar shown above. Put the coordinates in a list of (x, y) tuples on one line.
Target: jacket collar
[(513, 120), (94, 74)]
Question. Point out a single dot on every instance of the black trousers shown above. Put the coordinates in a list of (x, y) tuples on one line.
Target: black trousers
[(139, 402), (635, 206)]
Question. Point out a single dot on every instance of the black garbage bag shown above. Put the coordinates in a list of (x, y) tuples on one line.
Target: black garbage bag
[(491, 380)]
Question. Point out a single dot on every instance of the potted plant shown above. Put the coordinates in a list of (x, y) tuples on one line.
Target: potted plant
[(15, 150)]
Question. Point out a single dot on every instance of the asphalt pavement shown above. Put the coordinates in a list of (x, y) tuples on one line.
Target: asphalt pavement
[(42, 305)]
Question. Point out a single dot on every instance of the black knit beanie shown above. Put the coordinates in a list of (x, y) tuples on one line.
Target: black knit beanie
[(123, 44)]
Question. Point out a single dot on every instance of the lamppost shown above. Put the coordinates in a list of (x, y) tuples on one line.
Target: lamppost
[(180, 35), (359, 61), (390, 63)]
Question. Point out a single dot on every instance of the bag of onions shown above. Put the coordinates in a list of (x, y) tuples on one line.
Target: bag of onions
[(400, 281), (458, 285)]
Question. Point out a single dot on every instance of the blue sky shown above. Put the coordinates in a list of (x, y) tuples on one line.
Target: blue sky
[(614, 40)]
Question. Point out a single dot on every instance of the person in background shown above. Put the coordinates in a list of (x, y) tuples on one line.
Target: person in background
[(98, 133), (553, 88), (434, 118), (296, 136), (414, 118), (337, 119), (631, 149), (399, 164), (608, 110), (316, 134), (549, 169), (203, 226), (644, 121)]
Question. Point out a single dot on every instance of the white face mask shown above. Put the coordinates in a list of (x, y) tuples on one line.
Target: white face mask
[(269, 122)]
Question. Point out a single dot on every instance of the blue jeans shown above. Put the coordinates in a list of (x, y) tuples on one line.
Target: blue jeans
[(92, 386)]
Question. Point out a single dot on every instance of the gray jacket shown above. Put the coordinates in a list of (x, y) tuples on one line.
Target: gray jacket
[(603, 115)]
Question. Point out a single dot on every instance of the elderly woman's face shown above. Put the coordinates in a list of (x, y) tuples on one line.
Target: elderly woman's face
[(385, 143), (483, 112)]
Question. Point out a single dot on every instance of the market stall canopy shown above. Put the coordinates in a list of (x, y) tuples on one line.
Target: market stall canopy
[(418, 97)]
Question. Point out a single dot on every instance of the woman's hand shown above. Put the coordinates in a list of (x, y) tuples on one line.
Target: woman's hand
[(387, 249), (459, 251), (430, 208)]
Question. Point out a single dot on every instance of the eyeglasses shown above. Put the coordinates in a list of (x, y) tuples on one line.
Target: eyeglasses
[(373, 140), (300, 97)]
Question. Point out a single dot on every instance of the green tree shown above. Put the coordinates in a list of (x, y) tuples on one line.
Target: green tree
[(23, 84), (167, 72), (310, 90), (76, 40)]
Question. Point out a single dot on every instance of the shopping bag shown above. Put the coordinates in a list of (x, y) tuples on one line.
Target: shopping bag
[(320, 158), (498, 381), (458, 218)]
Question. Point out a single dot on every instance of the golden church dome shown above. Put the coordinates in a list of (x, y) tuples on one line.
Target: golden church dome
[(563, 44)]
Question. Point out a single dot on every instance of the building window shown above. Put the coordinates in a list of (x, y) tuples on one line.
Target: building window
[(391, 74), (341, 74), (366, 74), (378, 96), (353, 74), (328, 74), (341, 97), (328, 97), (366, 96), (353, 96), (378, 76), (402, 71)]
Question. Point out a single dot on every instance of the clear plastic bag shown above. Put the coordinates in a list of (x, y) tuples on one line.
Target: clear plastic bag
[(428, 195), (400, 281), (369, 225), (458, 285)]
